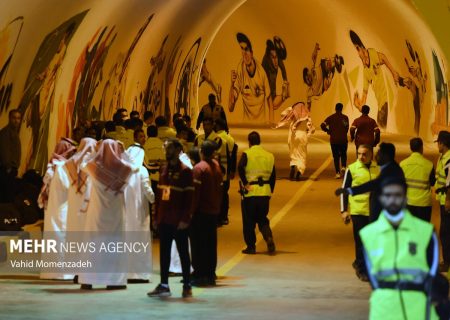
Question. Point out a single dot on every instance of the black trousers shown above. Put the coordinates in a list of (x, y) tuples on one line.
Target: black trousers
[(203, 234), (7, 184), (423, 213), (255, 211), (152, 207), (225, 201), (359, 222), (339, 155), (444, 234), (168, 233)]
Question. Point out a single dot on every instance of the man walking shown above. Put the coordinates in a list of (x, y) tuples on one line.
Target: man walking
[(364, 130), (401, 257), (206, 209), (257, 173), (10, 153), (337, 126), (174, 203), (212, 110), (359, 172), (420, 177), (442, 195)]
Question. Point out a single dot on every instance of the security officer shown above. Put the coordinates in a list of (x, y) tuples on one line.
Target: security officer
[(441, 195), (228, 161), (359, 172), (154, 158), (257, 173), (212, 110), (401, 256), (420, 177)]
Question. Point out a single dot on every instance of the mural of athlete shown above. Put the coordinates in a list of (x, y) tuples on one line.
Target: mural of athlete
[(272, 62), (205, 76), (372, 61), (318, 77), (250, 81)]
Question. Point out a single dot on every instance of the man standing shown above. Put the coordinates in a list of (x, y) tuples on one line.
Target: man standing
[(257, 173), (164, 131), (420, 177), (148, 120), (359, 172), (365, 130), (250, 80), (10, 153), (209, 134), (228, 161), (388, 168), (401, 257), (212, 110), (442, 195), (336, 126), (206, 209), (174, 205)]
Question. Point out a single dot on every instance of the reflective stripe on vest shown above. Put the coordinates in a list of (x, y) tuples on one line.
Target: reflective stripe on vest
[(259, 165), (360, 204), (441, 178), (399, 258), (417, 170)]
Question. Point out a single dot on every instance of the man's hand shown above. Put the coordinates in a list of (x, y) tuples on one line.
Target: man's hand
[(182, 225), (340, 191), (345, 217)]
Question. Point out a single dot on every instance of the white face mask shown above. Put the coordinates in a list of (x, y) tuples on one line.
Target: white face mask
[(394, 218)]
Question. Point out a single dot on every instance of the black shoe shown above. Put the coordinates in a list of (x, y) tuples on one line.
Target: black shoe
[(298, 176), (211, 281), (138, 281), (75, 279), (224, 222), (199, 282), (86, 287), (249, 251), (292, 173), (116, 287), (160, 291), (271, 246), (187, 292)]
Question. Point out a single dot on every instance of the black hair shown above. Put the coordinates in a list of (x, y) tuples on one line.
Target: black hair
[(365, 109), (148, 115), (120, 110), (186, 118), (161, 121), (356, 40), (339, 107), (394, 180), (211, 96), (240, 37), (254, 138), (175, 142), (117, 118), (366, 146), (416, 144), (270, 46), (136, 132), (152, 131), (194, 154), (176, 116), (208, 148), (387, 151), (134, 114), (110, 126)]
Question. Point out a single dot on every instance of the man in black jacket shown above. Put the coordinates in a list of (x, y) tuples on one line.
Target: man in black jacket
[(389, 168)]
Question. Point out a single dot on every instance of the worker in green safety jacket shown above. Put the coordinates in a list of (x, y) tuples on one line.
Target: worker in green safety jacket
[(401, 253)]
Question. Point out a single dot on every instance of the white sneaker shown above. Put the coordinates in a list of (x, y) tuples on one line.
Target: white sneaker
[(338, 175)]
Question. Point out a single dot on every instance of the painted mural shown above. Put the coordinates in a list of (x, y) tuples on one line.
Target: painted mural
[(442, 112), (39, 93), (9, 36), (319, 76)]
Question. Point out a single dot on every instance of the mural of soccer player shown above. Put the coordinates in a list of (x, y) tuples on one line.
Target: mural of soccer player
[(205, 76), (38, 97), (87, 76), (9, 36), (319, 76), (250, 81), (152, 92), (172, 64), (442, 111), (372, 61), (272, 61)]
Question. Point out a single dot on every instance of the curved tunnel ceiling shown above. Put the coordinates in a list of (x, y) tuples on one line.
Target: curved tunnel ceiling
[(65, 61)]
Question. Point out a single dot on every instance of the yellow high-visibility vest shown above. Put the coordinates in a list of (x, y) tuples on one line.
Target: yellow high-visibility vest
[(360, 204), (259, 167), (441, 178), (417, 170)]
